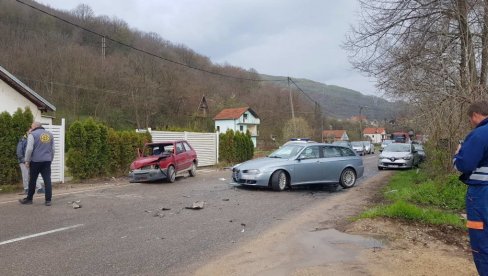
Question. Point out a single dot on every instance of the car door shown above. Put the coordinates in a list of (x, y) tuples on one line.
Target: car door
[(181, 159), (332, 163), (307, 168)]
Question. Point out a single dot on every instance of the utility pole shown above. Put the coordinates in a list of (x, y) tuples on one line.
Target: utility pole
[(104, 45), (361, 121), (292, 108), (322, 129), (291, 100)]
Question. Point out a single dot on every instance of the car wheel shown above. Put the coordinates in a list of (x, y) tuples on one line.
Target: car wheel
[(171, 174), (193, 170), (279, 180), (380, 168), (348, 178)]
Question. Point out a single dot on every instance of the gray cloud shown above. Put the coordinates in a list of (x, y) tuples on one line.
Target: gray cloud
[(287, 38)]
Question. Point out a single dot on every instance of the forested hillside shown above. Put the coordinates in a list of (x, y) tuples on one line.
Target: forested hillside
[(127, 88)]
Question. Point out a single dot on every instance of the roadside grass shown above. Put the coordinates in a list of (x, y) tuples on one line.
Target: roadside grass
[(412, 195), (407, 211)]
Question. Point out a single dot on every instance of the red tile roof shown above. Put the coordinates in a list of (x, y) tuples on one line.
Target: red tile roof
[(231, 113), (374, 130), (336, 133)]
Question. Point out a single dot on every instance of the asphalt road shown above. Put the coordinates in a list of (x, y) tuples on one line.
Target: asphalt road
[(123, 231)]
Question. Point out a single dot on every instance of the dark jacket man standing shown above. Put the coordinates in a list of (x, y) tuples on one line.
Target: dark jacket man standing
[(471, 160), (38, 157)]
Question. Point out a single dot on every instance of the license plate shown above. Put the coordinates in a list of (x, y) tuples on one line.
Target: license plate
[(393, 166)]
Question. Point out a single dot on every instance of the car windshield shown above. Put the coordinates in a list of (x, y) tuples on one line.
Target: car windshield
[(157, 149), (386, 142), (357, 144), (395, 147), (287, 151)]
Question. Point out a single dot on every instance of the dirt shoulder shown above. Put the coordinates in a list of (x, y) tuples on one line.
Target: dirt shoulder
[(323, 241)]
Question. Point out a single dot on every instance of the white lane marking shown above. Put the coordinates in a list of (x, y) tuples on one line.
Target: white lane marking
[(75, 192), (370, 157), (40, 234), (206, 170)]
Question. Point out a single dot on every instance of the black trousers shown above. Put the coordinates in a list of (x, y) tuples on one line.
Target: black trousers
[(43, 168)]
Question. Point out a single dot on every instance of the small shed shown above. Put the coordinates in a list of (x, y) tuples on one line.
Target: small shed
[(335, 135)]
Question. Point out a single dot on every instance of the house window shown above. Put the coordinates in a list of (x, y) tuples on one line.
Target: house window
[(245, 116), (218, 128), (241, 128)]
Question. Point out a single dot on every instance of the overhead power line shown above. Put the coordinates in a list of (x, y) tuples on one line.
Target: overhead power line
[(141, 50)]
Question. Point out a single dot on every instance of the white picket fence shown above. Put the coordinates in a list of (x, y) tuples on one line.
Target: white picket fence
[(205, 144), (57, 166)]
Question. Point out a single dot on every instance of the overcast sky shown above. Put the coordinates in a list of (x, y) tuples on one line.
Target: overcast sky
[(296, 38)]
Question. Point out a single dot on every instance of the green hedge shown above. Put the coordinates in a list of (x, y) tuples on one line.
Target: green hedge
[(235, 146), (12, 128), (96, 151)]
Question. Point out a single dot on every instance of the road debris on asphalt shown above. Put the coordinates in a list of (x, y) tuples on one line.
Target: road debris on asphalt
[(196, 205), (165, 209), (75, 204), (225, 199), (158, 215)]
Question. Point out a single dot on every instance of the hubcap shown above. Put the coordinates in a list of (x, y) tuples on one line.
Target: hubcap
[(282, 181), (349, 178), (172, 176)]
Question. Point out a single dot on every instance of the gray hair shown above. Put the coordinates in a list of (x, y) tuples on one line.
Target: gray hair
[(36, 124)]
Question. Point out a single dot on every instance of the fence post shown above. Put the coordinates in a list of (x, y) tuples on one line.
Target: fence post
[(217, 142), (62, 138)]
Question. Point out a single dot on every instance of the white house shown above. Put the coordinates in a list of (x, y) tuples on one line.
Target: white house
[(238, 119), (375, 134), (15, 94)]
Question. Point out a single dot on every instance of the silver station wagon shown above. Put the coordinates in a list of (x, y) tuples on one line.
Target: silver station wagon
[(300, 164)]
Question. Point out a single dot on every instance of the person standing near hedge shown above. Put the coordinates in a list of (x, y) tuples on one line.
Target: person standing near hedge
[(21, 146), (39, 154)]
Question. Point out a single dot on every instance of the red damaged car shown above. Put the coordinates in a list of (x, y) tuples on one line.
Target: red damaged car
[(164, 160)]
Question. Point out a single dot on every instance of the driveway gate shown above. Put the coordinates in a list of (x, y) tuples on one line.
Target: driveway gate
[(205, 144)]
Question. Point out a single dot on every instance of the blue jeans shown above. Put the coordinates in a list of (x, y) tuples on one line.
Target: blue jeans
[(43, 168), (477, 212)]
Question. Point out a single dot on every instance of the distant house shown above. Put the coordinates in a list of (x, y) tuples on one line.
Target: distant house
[(241, 119), (15, 94), (375, 134), (335, 135)]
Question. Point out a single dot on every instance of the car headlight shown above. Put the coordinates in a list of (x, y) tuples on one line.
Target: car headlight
[(381, 156), (408, 157), (253, 171)]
